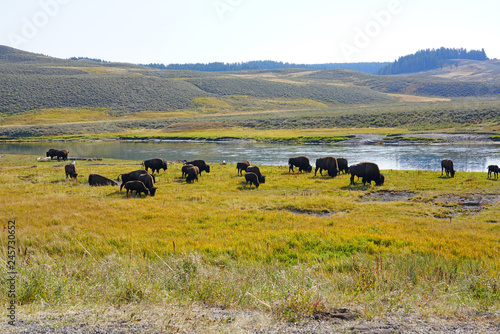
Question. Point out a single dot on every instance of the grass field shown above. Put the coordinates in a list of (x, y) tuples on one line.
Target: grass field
[(420, 244)]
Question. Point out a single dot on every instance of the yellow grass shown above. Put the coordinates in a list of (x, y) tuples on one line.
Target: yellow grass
[(353, 250)]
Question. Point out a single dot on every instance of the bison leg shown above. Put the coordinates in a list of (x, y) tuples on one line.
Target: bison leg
[(352, 179)]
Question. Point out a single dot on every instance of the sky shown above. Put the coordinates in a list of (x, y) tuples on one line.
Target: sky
[(203, 31)]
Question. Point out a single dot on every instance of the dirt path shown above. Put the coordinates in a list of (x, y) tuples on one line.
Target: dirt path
[(201, 319)]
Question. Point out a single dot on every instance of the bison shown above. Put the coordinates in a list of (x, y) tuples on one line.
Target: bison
[(70, 170), (136, 186), (342, 165), (493, 169), (327, 163), (368, 171), (98, 180), (132, 176), (184, 170), (256, 170), (155, 165), (201, 164), (149, 182), (59, 154), (301, 162), (242, 166), (447, 166), (252, 178), (192, 173)]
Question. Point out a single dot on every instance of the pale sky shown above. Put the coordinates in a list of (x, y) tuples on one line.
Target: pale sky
[(202, 31)]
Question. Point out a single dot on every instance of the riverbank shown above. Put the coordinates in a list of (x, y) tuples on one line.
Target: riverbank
[(392, 137)]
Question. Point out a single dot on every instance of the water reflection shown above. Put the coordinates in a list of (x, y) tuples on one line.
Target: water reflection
[(413, 157)]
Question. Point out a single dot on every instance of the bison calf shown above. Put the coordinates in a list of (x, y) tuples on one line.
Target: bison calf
[(136, 186), (148, 181), (252, 178)]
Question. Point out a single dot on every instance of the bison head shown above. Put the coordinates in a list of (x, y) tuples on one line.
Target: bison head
[(452, 173), (152, 191), (380, 180), (333, 172)]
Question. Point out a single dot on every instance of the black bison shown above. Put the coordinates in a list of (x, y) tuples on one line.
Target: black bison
[(242, 166), (252, 178), (327, 163), (184, 170), (256, 170), (155, 165), (192, 173), (70, 170), (132, 176), (59, 154), (368, 171), (301, 162), (136, 186), (98, 180), (149, 182), (493, 169), (447, 166), (201, 164), (342, 165)]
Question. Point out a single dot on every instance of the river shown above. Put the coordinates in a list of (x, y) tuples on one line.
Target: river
[(470, 158)]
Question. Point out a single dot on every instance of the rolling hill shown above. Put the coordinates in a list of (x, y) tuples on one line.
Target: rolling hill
[(40, 91)]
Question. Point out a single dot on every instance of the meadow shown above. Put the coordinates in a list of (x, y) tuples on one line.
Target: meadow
[(421, 244)]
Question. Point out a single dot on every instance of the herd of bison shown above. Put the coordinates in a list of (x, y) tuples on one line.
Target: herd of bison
[(141, 181)]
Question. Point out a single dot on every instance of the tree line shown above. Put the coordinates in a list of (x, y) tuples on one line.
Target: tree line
[(367, 67), (430, 59)]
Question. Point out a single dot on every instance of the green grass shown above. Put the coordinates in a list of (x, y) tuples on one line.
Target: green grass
[(296, 244)]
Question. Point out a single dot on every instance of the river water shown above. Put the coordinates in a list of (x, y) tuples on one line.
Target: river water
[(471, 158)]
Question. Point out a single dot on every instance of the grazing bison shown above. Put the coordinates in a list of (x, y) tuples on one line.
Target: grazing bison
[(52, 153), (136, 186), (70, 170), (201, 164), (155, 165), (342, 165), (149, 182), (192, 173), (98, 180), (301, 162), (132, 176), (242, 166), (327, 163), (256, 170), (252, 178), (184, 170), (62, 154), (493, 169), (447, 166), (368, 171)]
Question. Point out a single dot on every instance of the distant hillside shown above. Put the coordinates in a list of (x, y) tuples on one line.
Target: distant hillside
[(429, 59), (33, 82), (368, 67)]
